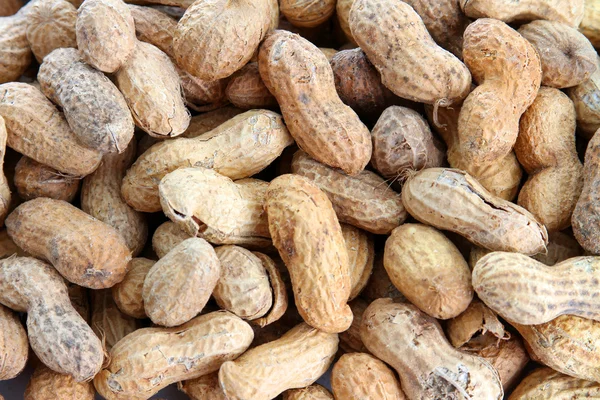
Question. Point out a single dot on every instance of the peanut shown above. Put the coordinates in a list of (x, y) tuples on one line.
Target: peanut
[(247, 90), (46, 384), (15, 52), (14, 347), (84, 250), (586, 98), (279, 286), (166, 237), (379, 284), (128, 293), (590, 26), (312, 392), (206, 122), (307, 13), (34, 180), (51, 25), (58, 335), (476, 319), (350, 341), (79, 297), (361, 254), (108, 322), (561, 247), (203, 388), (8, 247), (5, 195), (545, 383), (10, 7)]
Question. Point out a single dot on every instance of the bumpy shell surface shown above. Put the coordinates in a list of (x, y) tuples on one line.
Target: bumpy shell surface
[(105, 34), (166, 237), (27, 112), (46, 384), (84, 250), (15, 52), (590, 26), (586, 98), (204, 388), (350, 340), (298, 74), (361, 254), (312, 392), (128, 293), (545, 383), (150, 359), (34, 180), (154, 27), (108, 322), (309, 239), (14, 346), (247, 90), (307, 13), (51, 26), (5, 195)]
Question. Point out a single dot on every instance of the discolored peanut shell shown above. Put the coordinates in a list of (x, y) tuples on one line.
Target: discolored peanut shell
[(590, 26), (127, 294), (166, 237), (58, 335), (298, 74), (309, 239), (312, 392), (307, 13), (51, 25), (14, 346), (15, 52), (27, 112), (545, 383), (266, 371), (179, 285), (34, 180), (239, 148), (586, 98), (84, 250), (150, 359), (101, 198), (450, 199), (247, 90), (46, 384), (203, 388), (105, 34), (429, 367), (78, 88), (108, 322), (429, 270), (358, 376), (364, 200), (361, 254), (411, 64)]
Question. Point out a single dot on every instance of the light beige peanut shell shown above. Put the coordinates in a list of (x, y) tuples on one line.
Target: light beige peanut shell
[(108, 322), (201, 95), (586, 98), (307, 234), (546, 150), (312, 392), (429, 367), (358, 376), (569, 12), (379, 284), (203, 388), (527, 292), (84, 250), (207, 204), (239, 148), (150, 359), (299, 75), (280, 284), (27, 112), (568, 58), (80, 300), (152, 88), (206, 122), (58, 335), (15, 52), (14, 346), (590, 25), (101, 198), (295, 360), (166, 237), (5, 195), (216, 38), (46, 384), (342, 8), (364, 200), (350, 340), (179, 285), (51, 25), (105, 34), (247, 90), (402, 140), (450, 199), (34, 180), (10, 7), (78, 88), (561, 247), (488, 123), (411, 64), (307, 13), (545, 383), (127, 294), (429, 270), (361, 255)]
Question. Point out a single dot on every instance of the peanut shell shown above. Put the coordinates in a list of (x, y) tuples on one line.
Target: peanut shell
[(166, 237), (108, 322), (307, 13), (312, 392), (14, 346), (46, 384), (586, 98), (545, 383), (247, 90), (127, 294), (15, 52), (51, 25), (34, 180)]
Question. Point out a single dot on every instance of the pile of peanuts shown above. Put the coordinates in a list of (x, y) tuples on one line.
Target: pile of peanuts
[(238, 196)]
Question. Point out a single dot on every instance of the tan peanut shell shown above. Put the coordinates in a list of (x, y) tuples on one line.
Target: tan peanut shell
[(586, 98), (488, 124), (105, 34), (108, 322), (216, 38), (80, 300), (206, 122), (307, 13), (411, 64), (241, 147), (568, 58), (509, 357), (179, 285), (567, 344), (247, 90), (364, 200), (101, 198), (34, 180), (545, 383), (309, 239), (84, 250), (295, 360), (478, 320), (46, 384), (5, 195), (538, 293), (150, 359), (350, 340), (429, 270), (312, 392), (207, 204), (450, 199), (127, 294), (561, 247), (569, 12), (358, 376), (10, 7), (361, 255), (15, 52), (78, 88), (151, 86), (379, 284), (51, 25), (298, 74), (279, 287), (429, 367), (201, 95), (203, 388), (590, 25), (402, 140), (166, 237), (546, 150), (14, 346), (27, 112), (58, 335), (342, 8)]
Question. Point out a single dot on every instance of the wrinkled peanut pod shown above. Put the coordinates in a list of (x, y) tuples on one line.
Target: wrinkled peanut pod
[(108, 322), (307, 13), (15, 52), (14, 346), (51, 25), (590, 25), (203, 388), (586, 98), (166, 237), (545, 383), (128, 293), (34, 180), (5, 195), (350, 340), (46, 384), (247, 90), (312, 392), (361, 255)]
